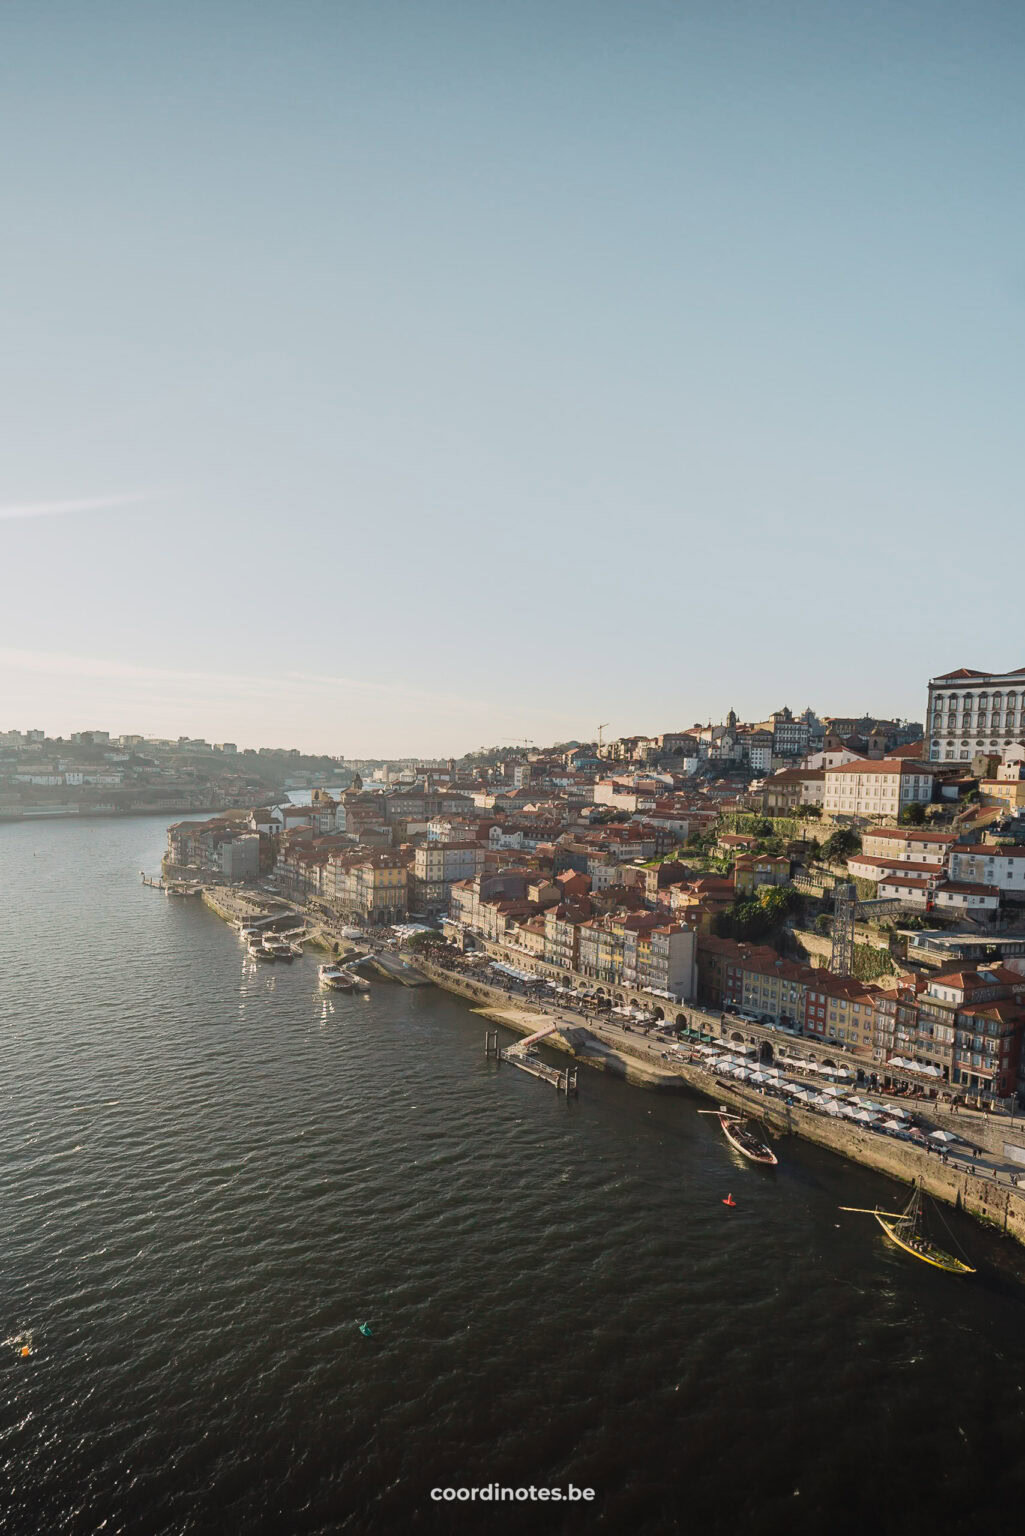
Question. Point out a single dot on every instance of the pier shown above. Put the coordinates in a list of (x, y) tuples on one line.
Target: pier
[(522, 1055), (172, 887)]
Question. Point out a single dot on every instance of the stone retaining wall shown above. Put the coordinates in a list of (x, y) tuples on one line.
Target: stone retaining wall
[(998, 1205)]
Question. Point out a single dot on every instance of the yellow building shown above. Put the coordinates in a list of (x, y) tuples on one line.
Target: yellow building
[(1005, 792)]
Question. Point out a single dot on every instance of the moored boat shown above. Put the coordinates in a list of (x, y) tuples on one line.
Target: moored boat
[(739, 1134), (335, 977), (904, 1229), (257, 951)]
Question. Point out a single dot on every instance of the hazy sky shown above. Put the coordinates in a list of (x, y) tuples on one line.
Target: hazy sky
[(399, 377)]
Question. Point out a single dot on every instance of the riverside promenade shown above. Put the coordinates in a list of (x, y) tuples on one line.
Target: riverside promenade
[(979, 1184)]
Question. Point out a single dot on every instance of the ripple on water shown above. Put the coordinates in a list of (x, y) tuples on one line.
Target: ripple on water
[(212, 1175)]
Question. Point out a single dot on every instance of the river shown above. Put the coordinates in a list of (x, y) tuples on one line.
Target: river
[(213, 1173)]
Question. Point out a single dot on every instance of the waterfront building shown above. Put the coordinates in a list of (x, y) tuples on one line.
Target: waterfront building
[(222, 846), (372, 887)]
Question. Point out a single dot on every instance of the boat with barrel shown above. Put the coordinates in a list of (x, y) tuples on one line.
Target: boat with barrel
[(904, 1228), (739, 1133)]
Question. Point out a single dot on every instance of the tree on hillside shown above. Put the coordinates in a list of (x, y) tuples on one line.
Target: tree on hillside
[(838, 848), (913, 815), (777, 900)]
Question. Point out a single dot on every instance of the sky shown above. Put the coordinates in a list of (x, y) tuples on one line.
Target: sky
[(387, 378)]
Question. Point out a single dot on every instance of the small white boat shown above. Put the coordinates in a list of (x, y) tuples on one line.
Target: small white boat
[(256, 951)]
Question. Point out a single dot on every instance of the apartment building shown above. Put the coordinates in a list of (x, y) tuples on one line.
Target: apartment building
[(659, 959), (907, 845), (371, 886), (991, 864), (963, 1027), (562, 930), (436, 867)]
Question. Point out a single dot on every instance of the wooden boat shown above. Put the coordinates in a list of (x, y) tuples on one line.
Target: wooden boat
[(738, 1133), (904, 1228)]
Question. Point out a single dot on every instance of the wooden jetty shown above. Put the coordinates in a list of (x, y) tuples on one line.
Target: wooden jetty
[(522, 1055)]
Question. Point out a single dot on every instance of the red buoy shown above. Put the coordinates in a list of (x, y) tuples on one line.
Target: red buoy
[(729, 1200)]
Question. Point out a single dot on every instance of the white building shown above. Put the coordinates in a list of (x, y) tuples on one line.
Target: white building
[(991, 865), (909, 845), (972, 712), (880, 788)]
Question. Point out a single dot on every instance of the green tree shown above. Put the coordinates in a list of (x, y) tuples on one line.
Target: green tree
[(777, 900), (913, 815), (839, 848)]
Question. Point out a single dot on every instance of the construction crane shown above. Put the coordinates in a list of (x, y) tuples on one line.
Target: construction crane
[(519, 741), (600, 729)]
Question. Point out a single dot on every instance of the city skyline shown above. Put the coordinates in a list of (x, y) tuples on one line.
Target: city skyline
[(313, 749)]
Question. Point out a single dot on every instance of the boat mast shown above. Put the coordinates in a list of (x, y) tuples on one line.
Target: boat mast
[(911, 1219)]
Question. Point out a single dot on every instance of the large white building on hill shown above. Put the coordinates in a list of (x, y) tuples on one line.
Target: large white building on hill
[(971, 711)]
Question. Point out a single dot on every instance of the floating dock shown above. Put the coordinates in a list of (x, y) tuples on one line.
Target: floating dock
[(522, 1055)]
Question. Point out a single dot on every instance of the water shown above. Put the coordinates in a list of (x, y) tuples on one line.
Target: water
[(212, 1173)]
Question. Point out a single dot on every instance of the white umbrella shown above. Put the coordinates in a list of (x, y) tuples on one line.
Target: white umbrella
[(833, 1091), (943, 1136), (892, 1125), (864, 1116)]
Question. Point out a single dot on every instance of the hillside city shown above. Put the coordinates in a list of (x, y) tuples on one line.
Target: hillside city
[(856, 880)]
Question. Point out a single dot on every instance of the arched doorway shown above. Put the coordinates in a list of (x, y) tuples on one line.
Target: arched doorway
[(659, 1014), (736, 1035), (681, 1021), (765, 1054)]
